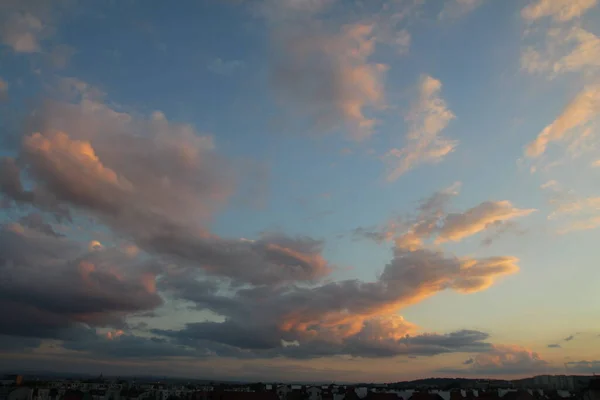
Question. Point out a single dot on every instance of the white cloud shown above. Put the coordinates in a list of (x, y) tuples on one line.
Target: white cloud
[(427, 119)]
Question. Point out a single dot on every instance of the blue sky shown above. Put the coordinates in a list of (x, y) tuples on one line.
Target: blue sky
[(406, 183)]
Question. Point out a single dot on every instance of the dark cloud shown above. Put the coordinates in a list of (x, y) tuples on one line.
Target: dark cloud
[(10, 181), (554, 346), (364, 343), (569, 338), (274, 258), (338, 317), (18, 343), (37, 222), (55, 284), (583, 366), (130, 346)]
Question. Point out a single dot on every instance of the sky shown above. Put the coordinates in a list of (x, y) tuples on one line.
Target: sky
[(300, 190)]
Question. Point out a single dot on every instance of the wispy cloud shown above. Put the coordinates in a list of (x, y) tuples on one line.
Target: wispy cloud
[(558, 10), (427, 119), (578, 115), (575, 212), (571, 49)]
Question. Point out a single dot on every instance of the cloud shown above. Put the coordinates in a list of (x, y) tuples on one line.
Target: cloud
[(37, 222), (499, 228), (378, 234), (558, 10), (569, 338), (112, 180), (60, 55), (274, 258), (554, 346), (582, 225), (26, 24), (327, 77), (566, 50), (218, 66), (579, 114), (505, 359), (458, 226), (583, 366), (72, 286), (583, 213), (3, 90), (434, 220), (334, 318), (21, 32), (96, 160), (428, 117)]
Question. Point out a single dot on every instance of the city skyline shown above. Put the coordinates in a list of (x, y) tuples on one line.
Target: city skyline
[(371, 191)]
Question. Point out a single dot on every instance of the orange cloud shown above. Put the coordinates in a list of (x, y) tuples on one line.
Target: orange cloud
[(110, 335), (580, 112), (559, 10), (566, 50), (459, 226)]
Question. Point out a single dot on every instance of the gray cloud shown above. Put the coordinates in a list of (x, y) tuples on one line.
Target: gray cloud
[(3, 90), (583, 366), (150, 187), (554, 346), (502, 360), (322, 70), (317, 317), (95, 159), (72, 286)]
